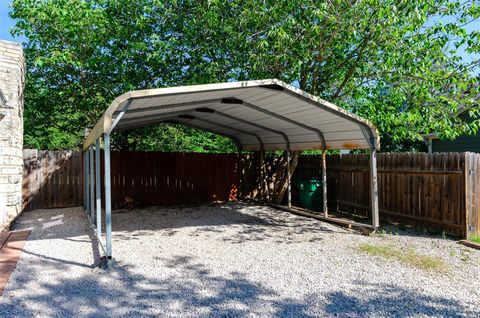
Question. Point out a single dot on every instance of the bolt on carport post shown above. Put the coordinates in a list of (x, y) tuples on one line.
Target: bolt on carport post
[(374, 188), (108, 201), (98, 188)]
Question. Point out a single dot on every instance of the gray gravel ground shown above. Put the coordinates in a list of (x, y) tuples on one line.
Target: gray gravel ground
[(231, 260)]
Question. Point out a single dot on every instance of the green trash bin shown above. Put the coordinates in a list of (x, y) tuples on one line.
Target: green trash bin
[(310, 193)]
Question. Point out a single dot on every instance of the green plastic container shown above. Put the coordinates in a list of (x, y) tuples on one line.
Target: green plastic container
[(310, 194)]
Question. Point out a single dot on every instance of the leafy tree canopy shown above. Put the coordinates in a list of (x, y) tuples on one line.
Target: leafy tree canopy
[(393, 62)]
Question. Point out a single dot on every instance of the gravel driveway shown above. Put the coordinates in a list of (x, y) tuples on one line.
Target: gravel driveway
[(231, 260)]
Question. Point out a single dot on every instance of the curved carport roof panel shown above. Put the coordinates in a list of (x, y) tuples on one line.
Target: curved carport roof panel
[(256, 115), (268, 114)]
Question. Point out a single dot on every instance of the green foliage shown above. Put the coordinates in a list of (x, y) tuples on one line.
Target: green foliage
[(474, 238), (393, 62), (171, 138), (408, 257), (379, 59), (82, 54)]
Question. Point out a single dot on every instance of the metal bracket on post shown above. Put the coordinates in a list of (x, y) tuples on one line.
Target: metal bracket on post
[(119, 116)]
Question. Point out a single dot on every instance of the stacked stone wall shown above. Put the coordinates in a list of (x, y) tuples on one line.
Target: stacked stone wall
[(12, 68)]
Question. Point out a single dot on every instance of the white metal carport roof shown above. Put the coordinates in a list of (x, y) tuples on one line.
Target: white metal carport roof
[(268, 114), (257, 115)]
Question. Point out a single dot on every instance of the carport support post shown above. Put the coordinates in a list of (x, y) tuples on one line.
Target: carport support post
[(98, 188), (108, 198), (89, 203), (92, 185), (262, 175), (324, 182), (374, 188), (85, 181), (289, 184)]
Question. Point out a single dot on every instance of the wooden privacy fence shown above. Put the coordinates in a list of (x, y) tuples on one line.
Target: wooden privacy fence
[(155, 178), (440, 190), (51, 179), (55, 178)]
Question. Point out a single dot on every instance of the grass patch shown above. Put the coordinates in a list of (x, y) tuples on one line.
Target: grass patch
[(474, 238), (408, 257)]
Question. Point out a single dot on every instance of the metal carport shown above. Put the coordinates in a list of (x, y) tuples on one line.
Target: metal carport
[(257, 115)]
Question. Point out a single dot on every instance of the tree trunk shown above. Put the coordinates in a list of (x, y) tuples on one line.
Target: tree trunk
[(282, 184)]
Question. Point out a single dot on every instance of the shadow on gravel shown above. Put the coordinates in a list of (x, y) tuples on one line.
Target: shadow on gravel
[(193, 291), (415, 231), (252, 225), (393, 301), (66, 224), (53, 223)]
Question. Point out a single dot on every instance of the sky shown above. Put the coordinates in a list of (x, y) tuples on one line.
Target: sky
[(6, 23)]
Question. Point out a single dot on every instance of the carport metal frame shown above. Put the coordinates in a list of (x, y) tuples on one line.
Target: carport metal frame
[(112, 117)]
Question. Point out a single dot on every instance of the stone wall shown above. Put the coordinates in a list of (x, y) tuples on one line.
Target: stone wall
[(12, 68)]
